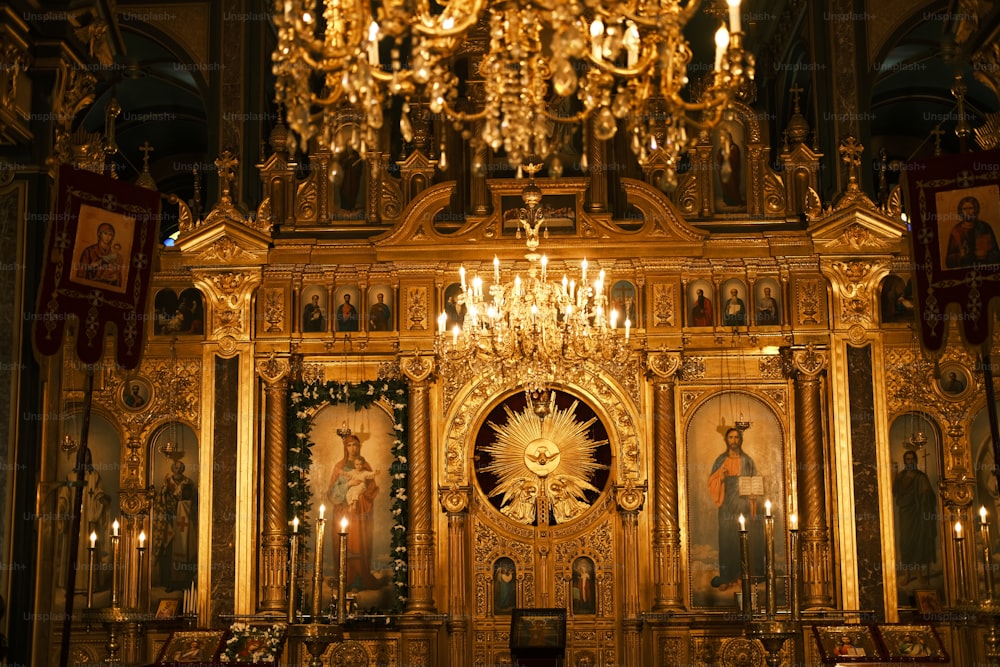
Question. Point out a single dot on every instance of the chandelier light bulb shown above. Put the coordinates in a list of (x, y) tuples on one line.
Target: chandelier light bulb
[(721, 43)]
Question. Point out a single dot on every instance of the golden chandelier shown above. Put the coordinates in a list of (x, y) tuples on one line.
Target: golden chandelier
[(534, 332), (547, 63)]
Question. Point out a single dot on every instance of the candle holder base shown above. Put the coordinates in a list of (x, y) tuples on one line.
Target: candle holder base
[(316, 637), (772, 635)]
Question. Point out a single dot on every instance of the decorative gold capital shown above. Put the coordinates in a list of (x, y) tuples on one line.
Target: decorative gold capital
[(958, 494), (454, 499), (664, 365), (416, 367), (810, 361), (630, 496), (273, 370)]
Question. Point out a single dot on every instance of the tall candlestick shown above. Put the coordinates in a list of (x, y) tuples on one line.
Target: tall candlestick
[(769, 581), (342, 575), (293, 570), (140, 553), (114, 567), (793, 567), (963, 591), (318, 571), (984, 532), (745, 569), (91, 555)]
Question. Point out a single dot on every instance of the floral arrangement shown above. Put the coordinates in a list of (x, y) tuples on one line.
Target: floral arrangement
[(254, 643), (306, 400)]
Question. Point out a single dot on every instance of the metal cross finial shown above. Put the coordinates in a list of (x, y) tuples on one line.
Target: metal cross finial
[(796, 90), (226, 163), (850, 151), (146, 150)]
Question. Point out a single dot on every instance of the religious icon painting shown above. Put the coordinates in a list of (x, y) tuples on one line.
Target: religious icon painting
[(701, 304), (914, 440), (955, 382), (173, 548), (583, 587), (180, 314), (347, 309), (381, 307), (911, 643), (454, 306), (351, 459), (896, 299), (192, 647), (737, 476), (767, 302), (625, 303), (527, 464), (315, 310), (846, 643), (100, 506), (504, 586), (733, 303), (102, 248), (135, 393)]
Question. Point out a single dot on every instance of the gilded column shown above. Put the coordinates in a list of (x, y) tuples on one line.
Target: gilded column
[(420, 539), (814, 537), (272, 576), (455, 502), (667, 591), (630, 500)]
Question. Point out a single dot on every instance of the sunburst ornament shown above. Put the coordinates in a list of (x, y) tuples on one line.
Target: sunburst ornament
[(543, 461)]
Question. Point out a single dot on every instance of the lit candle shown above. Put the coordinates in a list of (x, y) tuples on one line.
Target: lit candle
[(442, 323), (963, 591), (982, 515), (628, 325), (583, 271), (461, 275), (318, 568), (90, 569), (545, 263), (114, 528), (496, 269), (745, 570), (454, 335), (794, 521), (721, 43), (342, 578), (293, 569), (114, 564), (734, 16), (770, 583), (596, 39), (93, 540), (613, 318), (984, 533), (373, 43), (632, 41), (142, 539)]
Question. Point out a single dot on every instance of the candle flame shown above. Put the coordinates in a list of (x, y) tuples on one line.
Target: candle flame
[(114, 528), (794, 521), (743, 522), (767, 507), (343, 524), (958, 529), (322, 511)]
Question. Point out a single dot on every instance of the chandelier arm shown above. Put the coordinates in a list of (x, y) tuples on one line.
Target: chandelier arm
[(627, 72), (427, 24)]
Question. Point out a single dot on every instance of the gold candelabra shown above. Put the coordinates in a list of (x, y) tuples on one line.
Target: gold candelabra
[(621, 64)]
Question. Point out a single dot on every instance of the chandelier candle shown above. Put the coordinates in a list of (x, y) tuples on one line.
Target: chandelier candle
[(318, 570)]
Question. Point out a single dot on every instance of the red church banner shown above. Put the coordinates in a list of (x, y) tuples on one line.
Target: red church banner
[(98, 263), (954, 204)]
